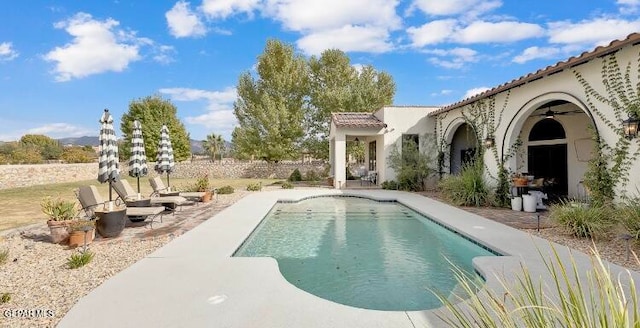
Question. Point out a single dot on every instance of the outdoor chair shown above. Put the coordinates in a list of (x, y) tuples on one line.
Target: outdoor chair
[(159, 189), (370, 178), (91, 200), (127, 193)]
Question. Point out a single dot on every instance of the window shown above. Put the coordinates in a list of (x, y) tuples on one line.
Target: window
[(547, 129), (372, 156)]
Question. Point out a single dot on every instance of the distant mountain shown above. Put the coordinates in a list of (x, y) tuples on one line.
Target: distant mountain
[(80, 141), (197, 148)]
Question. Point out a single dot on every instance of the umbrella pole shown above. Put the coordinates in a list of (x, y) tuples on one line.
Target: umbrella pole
[(138, 176), (168, 184), (110, 198)]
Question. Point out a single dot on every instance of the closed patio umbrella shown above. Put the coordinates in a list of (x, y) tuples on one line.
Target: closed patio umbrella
[(138, 161), (108, 166), (164, 159)]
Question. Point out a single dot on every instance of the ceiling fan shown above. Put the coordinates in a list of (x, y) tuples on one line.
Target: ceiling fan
[(551, 114)]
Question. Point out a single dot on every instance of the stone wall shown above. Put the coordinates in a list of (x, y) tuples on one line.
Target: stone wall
[(13, 176)]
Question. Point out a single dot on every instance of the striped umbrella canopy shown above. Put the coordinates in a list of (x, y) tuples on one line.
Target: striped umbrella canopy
[(138, 161), (108, 166), (164, 159)]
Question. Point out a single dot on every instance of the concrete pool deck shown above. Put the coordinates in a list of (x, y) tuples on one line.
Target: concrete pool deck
[(193, 281)]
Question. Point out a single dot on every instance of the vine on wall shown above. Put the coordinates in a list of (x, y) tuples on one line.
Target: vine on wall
[(610, 165), (481, 115)]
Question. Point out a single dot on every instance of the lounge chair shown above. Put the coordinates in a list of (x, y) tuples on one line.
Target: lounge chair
[(91, 200), (159, 189), (127, 193)]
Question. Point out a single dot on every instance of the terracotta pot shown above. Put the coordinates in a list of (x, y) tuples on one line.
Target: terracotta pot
[(207, 197), (59, 231), (77, 237)]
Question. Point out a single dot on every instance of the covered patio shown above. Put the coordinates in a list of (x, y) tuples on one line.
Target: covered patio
[(363, 127)]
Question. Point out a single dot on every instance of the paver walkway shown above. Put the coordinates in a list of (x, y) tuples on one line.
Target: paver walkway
[(515, 219)]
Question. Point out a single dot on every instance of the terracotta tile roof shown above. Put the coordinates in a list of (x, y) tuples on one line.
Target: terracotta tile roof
[(357, 120), (631, 39)]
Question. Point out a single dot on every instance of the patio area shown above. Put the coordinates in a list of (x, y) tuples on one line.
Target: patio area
[(197, 271)]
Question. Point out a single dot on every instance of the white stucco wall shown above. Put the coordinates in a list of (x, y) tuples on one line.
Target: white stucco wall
[(401, 120), (524, 99)]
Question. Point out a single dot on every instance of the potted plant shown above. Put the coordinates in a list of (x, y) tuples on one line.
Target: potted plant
[(81, 232), (202, 185), (60, 213)]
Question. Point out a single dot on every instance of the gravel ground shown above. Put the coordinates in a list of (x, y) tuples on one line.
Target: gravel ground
[(38, 279)]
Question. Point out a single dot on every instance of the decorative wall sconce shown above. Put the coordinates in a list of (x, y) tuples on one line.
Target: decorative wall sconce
[(489, 142), (630, 127)]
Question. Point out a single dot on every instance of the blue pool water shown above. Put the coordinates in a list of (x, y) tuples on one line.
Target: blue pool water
[(362, 253)]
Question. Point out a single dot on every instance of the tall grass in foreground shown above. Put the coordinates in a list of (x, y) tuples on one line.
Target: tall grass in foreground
[(599, 301)]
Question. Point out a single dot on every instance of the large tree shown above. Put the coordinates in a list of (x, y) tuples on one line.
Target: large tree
[(153, 112), (270, 106), (47, 147), (338, 86)]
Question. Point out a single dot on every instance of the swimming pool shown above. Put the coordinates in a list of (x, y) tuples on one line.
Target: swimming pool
[(363, 253)]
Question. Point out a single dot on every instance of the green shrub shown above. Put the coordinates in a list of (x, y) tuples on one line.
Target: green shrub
[(225, 190), (59, 209), (295, 175), (312, 175), (628, 214), (390, 185), (582, 220), (287, 185), (79, 259), (525, 303), (254, 186), (4, 255), (468, 188), (5, 298), (413, 166)]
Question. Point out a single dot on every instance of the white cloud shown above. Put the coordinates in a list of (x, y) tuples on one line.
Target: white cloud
[(347, 38), (432, 33), (227, 95), (451, 30), (7, 52), (220, 121), (221, 9), (183, 22), (162, 54), (60, 130), (96, 48), (628, 6), (508, 31), (316, 15), (442, 93), (599, 31), (219, 115), (354, 25), (455, 58), (532, 53), (475, 91), (455, 7)]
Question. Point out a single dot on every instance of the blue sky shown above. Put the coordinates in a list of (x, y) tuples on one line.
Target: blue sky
[(63, 62)]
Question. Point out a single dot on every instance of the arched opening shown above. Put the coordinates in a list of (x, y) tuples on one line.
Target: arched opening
[(463, 148), (547, 156)]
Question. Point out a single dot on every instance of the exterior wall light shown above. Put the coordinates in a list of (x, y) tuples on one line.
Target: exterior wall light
[(489, 142), (630, 127)]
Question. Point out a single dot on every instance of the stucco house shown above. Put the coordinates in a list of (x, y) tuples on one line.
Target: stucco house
[(543, 123)]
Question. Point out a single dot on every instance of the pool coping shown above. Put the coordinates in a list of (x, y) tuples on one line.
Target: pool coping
[(195, 281)]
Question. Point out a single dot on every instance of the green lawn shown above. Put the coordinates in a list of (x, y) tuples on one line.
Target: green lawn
[(21, 206)]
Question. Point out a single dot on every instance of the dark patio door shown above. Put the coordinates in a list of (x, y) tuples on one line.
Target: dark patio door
[(550, 162)]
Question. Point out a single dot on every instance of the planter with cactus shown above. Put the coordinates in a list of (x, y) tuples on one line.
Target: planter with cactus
[(60, 213)]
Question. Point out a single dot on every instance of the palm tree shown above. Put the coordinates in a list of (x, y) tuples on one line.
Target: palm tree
[(213, 145)]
